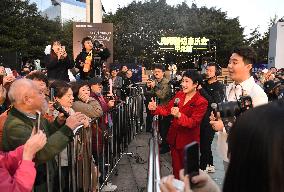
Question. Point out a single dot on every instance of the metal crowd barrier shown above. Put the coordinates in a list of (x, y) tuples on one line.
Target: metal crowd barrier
[(123, 123), (154, 159)]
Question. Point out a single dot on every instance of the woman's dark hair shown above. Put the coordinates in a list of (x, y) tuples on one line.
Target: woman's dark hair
[(256, 151), (193, 75), (60, 88), (76, 86), (84, 40)]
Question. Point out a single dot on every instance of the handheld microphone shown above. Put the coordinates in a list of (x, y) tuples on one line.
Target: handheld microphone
[(177, 100), (214, 106), (59, 108)]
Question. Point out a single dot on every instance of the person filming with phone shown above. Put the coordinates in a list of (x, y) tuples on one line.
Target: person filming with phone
[(28, 101), (159, 87), (57, 62), (188, 108)]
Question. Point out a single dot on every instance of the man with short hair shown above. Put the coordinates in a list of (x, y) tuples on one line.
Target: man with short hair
[(27, 100), (213, 91), (123, 71), (161, 89), (240, 67)]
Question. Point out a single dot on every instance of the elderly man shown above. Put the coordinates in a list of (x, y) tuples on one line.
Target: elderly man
[(27, 100)]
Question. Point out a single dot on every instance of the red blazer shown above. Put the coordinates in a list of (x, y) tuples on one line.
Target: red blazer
[(185, 129)]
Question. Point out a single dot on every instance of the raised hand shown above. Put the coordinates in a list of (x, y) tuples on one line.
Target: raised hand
[(35, 143), (75, 120)]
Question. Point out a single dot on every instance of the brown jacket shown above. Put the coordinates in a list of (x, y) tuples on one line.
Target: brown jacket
[(92, 109)]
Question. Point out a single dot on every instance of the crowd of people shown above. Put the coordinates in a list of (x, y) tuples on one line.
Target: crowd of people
[(33, 131), (29, 97), (248, 140)]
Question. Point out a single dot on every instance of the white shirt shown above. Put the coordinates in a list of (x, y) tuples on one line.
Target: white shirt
[(233, 92)]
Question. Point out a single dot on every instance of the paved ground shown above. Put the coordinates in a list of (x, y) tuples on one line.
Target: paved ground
[(132, 170)]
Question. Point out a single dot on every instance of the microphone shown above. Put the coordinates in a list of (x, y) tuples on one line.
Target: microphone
[(177, 100), (59, 108), (214, 106)]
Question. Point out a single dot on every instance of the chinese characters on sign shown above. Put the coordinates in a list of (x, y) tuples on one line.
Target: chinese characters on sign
[(184, 44)]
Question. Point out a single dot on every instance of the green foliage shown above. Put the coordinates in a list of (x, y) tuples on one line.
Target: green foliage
[(23, 29), (137, 29), (139, 26), (260, 43)]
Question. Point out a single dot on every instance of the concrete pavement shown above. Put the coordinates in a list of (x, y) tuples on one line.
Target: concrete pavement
[(132, 170)]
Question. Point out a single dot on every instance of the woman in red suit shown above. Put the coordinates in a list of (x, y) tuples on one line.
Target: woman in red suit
[(185, 126)]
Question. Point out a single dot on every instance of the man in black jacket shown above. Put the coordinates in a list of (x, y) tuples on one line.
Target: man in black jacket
[(213, 91), (93, 55)]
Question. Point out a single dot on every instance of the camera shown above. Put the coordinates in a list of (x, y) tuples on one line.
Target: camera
[(232, 109), (98, 45), (235, 108), (151, 78)]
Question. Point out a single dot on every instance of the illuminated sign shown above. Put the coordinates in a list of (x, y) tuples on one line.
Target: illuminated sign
[(183, 44)]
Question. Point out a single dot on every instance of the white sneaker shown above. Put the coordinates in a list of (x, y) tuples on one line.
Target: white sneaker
[(210, 169), (109, 187)]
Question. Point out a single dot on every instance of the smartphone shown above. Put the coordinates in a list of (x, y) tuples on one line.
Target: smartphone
[(178, 184), (37, 121), (1, 79), (51, 94), (191, 159)]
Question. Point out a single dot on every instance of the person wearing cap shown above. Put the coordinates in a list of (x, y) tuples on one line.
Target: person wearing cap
[(96, 92)]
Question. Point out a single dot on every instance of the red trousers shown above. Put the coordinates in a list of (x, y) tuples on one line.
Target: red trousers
[(177, 161)]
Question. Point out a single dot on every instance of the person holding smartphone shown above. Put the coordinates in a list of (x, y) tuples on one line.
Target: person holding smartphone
[(57, 62), (17, 168), (188, 108)]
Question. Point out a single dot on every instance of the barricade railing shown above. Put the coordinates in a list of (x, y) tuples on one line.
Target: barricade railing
[(112, 134), (154, 158)]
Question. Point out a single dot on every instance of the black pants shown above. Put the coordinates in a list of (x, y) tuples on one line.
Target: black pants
[(164, 125), (149, 118), (206, 138)]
